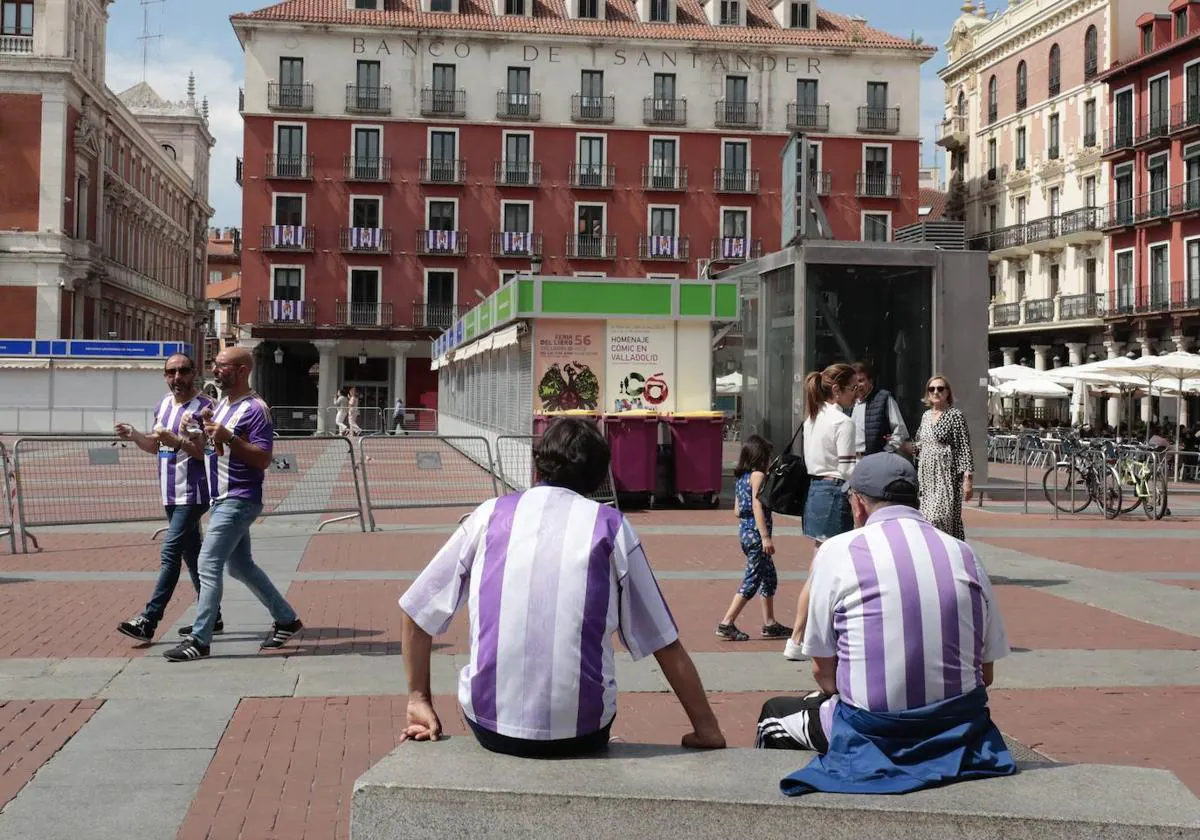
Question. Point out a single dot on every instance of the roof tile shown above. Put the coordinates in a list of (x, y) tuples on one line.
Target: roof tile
[(549, 18)]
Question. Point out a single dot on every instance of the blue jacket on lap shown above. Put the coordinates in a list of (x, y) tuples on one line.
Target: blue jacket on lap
[(897, 752)]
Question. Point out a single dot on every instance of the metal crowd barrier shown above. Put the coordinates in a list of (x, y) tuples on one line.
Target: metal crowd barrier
[(7, 520), (83, 480), (292, 420), (417, 471), (369, 420), (314, 476), (70, 420), (516, 471)]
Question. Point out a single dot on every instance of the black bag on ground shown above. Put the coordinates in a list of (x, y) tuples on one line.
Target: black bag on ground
[(785, 488)]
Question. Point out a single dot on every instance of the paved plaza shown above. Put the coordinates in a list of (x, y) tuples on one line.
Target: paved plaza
[(103, 739)]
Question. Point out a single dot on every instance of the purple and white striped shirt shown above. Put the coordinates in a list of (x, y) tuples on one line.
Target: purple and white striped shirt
[(231, 478), (907, 610), (548, 576), (181, 478)]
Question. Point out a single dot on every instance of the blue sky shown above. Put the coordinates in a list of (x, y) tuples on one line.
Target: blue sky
[(196, 36)]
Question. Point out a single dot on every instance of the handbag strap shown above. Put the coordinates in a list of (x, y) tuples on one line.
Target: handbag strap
[(799, 433)]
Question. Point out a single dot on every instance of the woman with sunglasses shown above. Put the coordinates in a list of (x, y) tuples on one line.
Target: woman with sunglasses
[(944, 462)]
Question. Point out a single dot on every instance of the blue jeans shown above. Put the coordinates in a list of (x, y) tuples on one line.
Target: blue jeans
[(227, 541), (180, 546)]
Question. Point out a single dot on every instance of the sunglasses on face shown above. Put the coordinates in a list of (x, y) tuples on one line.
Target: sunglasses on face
[(936, 389), (176, 371)]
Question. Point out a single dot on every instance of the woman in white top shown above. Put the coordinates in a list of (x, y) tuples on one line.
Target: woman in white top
[(341, 405), (829, 456), (352, 416)]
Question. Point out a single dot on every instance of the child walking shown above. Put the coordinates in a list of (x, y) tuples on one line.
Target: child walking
[(754, 530)]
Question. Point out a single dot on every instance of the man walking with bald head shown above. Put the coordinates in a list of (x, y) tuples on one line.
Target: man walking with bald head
[(238, 438)]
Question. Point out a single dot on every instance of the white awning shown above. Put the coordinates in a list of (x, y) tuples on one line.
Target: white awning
[(108, 364), (21, 363), (507, 337)]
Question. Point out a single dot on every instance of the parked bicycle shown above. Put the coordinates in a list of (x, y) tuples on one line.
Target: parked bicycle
[(1084, 476), (1140, 468)]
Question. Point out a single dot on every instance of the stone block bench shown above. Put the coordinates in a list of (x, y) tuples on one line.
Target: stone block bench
[(455, 789)]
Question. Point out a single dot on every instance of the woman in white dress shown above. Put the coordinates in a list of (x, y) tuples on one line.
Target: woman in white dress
[(352, 418), (944, 460)]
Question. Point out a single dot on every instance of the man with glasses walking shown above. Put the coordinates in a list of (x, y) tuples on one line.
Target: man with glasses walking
[(239, 438), (184, 489)]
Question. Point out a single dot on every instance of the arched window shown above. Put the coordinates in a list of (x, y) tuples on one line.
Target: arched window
[(1055, 66), (991, 102), (960, 109), (1090, 53), (1022, 86), (170, 150)]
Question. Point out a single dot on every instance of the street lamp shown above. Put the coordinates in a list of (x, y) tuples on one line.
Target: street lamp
[(278, 355), (362, 355)]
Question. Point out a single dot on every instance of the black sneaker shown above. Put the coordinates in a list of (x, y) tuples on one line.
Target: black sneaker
[(186, 630), (139, 627), (280, 633), (186, 651)]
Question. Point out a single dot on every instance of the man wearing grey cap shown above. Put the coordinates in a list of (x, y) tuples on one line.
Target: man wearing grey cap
[(902, 629)]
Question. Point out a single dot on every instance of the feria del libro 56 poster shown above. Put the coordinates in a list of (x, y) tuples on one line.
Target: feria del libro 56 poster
[(568, 365), (641, 366)]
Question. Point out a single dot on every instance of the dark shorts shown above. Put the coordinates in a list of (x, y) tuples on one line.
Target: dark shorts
[(792, 723), (589, 744), (827, 510)]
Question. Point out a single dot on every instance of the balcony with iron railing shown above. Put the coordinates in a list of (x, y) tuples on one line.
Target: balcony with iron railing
[(16, 45), (737, 113), (1000, 239), (872, 185), (591, 247), (806, 117), (518, 105), (441, 243), (1152, 207), (377, 314), (365, 240), (286, 313), (439, 102), (517, 173), (593, 176), (1039, 311), (660, 178), (1185, 198), (1089, 139), (1185, 116), (735, 180), (374, 169), (1006, 314), (442, 171), (1081, 307), (658, 247), (300, 238), (735, 248), (437, 316), (297, 98), (368, 99), (1118, 139), (1152, 127), (873, 120), (1118, 214), (516, 244), (290, 167), (664, 111), (822, 181), (593, 109)]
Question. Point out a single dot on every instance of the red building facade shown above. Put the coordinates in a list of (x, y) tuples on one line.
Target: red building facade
[(400, 163), (1152, 149)]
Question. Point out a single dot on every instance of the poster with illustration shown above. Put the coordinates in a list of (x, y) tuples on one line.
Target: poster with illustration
[(568, 365), (641, 366)]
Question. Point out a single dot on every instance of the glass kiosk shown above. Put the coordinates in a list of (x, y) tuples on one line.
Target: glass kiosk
[(911, 310)]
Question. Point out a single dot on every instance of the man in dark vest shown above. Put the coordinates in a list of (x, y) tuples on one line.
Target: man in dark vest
[(876, 416)]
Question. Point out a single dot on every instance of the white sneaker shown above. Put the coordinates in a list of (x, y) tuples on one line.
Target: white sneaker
[(792, 651)]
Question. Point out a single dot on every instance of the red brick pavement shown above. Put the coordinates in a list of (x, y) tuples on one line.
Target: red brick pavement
[(1147, 727), (59, 619), (703, 552), (70, 552), (285, 767), (379, 551), (31, 732), (352, 616), (1186, 584), (1120, 555)]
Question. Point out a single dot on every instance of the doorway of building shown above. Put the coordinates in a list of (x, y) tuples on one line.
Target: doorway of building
[(371, 380)]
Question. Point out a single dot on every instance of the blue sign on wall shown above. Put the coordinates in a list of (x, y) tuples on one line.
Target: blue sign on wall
[(93, 349)]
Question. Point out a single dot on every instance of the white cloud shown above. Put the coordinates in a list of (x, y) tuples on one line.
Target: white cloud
[(216, 78)]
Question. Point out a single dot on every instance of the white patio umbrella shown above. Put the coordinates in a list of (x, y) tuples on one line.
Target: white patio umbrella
[(730, 383), (1006, 372), (1034, 386), (1177, 367)]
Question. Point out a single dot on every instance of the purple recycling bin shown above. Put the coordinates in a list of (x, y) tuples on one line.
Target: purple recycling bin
[(633, 439), (698, 440), (541, 422)]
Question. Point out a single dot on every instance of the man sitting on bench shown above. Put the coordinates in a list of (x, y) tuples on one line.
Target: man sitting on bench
[(902, 629), (548, 575)]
